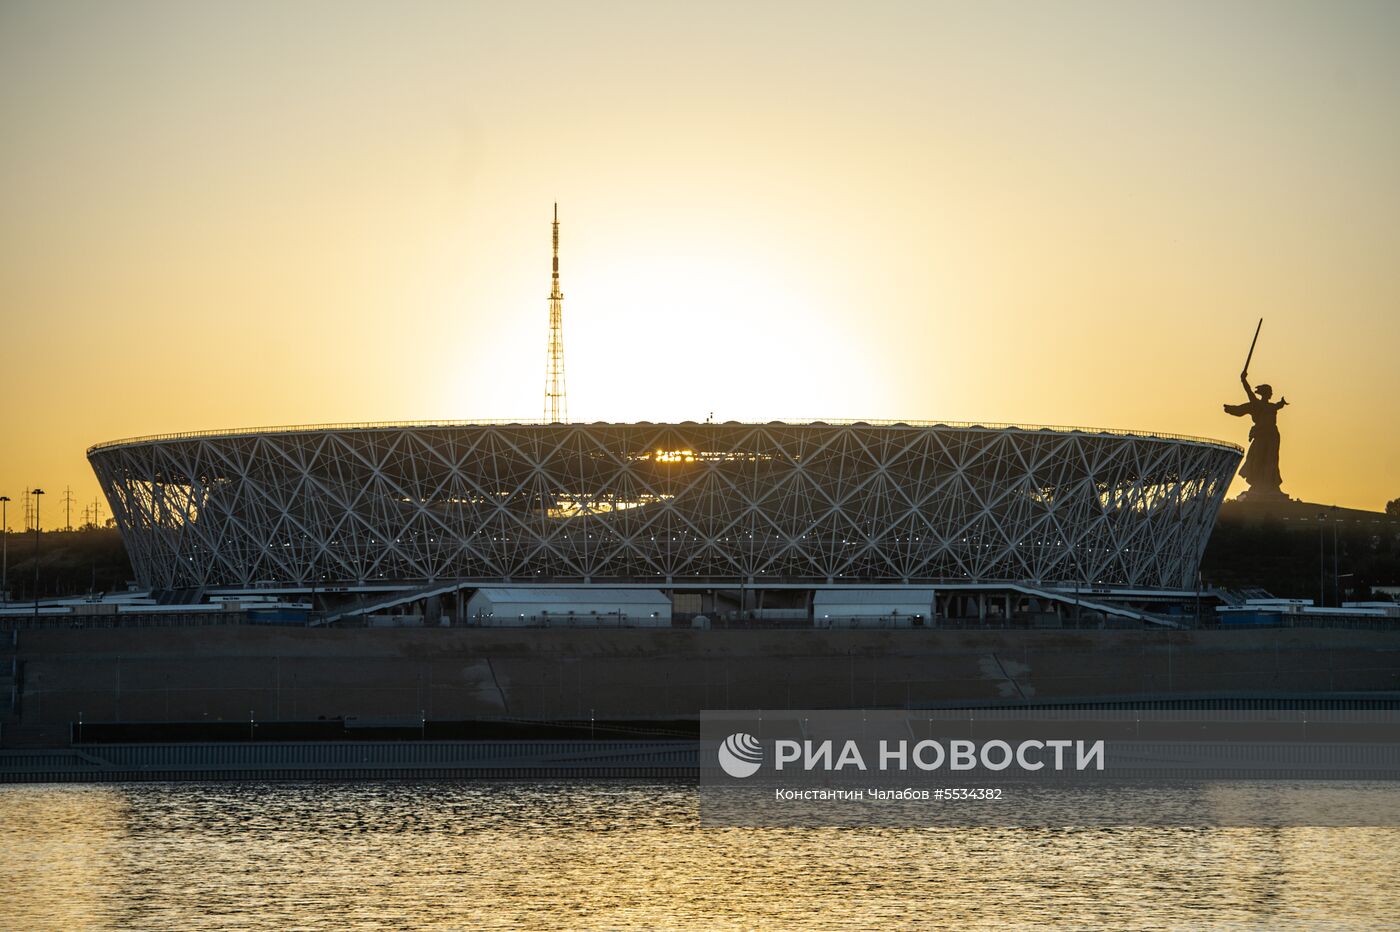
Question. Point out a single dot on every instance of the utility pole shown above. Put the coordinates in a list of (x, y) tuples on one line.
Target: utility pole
[(1199, 582), (556, 407), (68, 508)]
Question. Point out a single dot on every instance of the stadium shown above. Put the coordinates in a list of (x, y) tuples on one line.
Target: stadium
[(781, 505), (431, 583)]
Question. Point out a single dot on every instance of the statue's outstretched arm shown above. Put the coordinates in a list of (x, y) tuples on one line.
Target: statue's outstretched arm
[(1244, 380)]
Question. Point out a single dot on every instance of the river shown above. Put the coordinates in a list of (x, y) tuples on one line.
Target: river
[(471, 855)]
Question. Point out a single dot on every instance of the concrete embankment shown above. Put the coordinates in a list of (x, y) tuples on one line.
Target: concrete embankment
[(238, 673), (501, 760)]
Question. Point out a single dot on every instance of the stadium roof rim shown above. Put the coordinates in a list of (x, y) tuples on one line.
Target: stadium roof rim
[(790, 422)]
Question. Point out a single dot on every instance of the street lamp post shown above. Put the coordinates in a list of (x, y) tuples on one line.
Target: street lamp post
[(1336, 572), (1321, 561), (5, 547), (36, 493)]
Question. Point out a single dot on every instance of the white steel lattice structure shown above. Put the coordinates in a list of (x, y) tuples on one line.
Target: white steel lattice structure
[(666, 503)]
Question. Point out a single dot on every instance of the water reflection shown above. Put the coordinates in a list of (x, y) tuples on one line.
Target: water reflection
[(474, 855)]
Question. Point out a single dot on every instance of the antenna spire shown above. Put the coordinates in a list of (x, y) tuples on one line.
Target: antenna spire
[(556, 408)]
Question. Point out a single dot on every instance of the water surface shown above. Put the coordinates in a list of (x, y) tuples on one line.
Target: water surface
[(392, 855)]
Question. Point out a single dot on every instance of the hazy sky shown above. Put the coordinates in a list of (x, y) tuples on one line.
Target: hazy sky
[(223, 215)]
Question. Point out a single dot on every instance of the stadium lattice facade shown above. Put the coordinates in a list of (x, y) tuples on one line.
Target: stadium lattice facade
[(665, 504)]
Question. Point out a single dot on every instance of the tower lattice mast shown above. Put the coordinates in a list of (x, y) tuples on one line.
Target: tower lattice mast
[(556, 407)]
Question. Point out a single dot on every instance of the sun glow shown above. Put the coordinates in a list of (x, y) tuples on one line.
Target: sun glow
[(919, 211)]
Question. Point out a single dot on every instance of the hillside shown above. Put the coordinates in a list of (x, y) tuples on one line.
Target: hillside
[(70, 562), (1300, 549)]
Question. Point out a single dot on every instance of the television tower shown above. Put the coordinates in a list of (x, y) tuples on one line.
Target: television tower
[(556, 406)]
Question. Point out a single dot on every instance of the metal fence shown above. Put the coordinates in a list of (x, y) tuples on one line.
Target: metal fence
[(1023, 622), (146, 620)]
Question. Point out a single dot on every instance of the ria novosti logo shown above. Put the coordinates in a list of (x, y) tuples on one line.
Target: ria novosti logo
[(740, 755)]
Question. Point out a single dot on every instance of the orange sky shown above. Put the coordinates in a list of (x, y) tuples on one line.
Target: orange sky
[(223, 215)]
